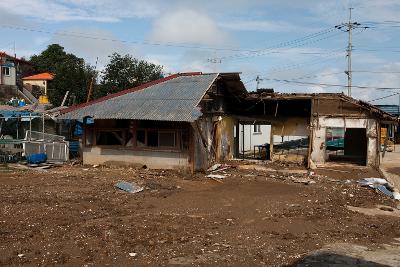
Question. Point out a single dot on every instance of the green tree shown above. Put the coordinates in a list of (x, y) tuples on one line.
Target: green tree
[(70, 73), (123, 72)]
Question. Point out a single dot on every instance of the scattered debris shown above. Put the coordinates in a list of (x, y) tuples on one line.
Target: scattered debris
[(129, 187), (218, 167), (372, 181), (335, 170), (382, 186), (214, 167), (216, 177), (41, 166), (305, 181), (133, 254), (20, 255)]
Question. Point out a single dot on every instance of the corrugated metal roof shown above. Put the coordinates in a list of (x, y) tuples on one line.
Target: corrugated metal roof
[(391, 109), (173, 99)]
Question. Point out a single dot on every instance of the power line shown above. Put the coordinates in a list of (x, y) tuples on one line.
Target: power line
[(376, 99), (382, 72), (98, 38), (307, 63), (296, 66), (319, 75), (273, 49), (280, 45), (377, 50), (332, 85)]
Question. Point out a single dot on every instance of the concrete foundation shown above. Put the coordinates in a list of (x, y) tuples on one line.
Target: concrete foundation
[(152, 159)]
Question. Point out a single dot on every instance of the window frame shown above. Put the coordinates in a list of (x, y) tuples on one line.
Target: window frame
[(4, 72), (176, 132), (130, 137), (257, 129)]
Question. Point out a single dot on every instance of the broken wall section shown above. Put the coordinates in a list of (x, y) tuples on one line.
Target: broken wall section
[(290, 139), (321, 123), (213, 140)]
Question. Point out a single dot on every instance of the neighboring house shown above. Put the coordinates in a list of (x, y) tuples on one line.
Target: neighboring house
[(254, 134), (41, 80), (10, 68), (393, 133), (191, 120)]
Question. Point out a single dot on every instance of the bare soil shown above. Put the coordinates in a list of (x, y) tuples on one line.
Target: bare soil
[(74, 215)]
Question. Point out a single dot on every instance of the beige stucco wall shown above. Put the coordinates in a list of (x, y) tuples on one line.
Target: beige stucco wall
[(152, 159), (41, 83)]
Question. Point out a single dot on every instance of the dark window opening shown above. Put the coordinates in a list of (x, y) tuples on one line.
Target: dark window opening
[(152, 138), (140, 138), (109, 138), (167, 139)]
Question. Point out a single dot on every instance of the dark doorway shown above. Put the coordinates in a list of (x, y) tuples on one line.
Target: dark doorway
[(355, 145), (348, 145)]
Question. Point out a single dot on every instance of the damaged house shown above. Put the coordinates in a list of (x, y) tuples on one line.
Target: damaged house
[(190, 120)]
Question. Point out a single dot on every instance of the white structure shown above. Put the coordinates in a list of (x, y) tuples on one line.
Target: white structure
[(9, 67), (255, 134)]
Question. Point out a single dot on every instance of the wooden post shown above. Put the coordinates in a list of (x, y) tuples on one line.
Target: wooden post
[(90, 90)]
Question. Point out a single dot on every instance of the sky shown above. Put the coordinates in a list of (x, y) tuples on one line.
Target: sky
[(293, 46)]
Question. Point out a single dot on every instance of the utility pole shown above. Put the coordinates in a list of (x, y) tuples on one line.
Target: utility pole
[(348, 27), (349, 48), (89, 95), (258, 79)]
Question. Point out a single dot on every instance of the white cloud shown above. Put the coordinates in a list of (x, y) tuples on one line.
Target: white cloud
[(188, 26), (67, 10), (259, 25)]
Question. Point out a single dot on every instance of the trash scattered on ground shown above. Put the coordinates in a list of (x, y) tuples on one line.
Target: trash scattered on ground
[(129, 187), (217, 176), (380, 185), (214, 167), (218, 167), (132, 254), (20, 255), (305, 181), (372, 181), (41, 166), (335, 170)]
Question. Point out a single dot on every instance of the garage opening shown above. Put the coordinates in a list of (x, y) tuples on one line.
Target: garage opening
[(346, 145)]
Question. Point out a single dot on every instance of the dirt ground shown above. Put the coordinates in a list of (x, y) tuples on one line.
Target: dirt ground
[(74, 215)]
